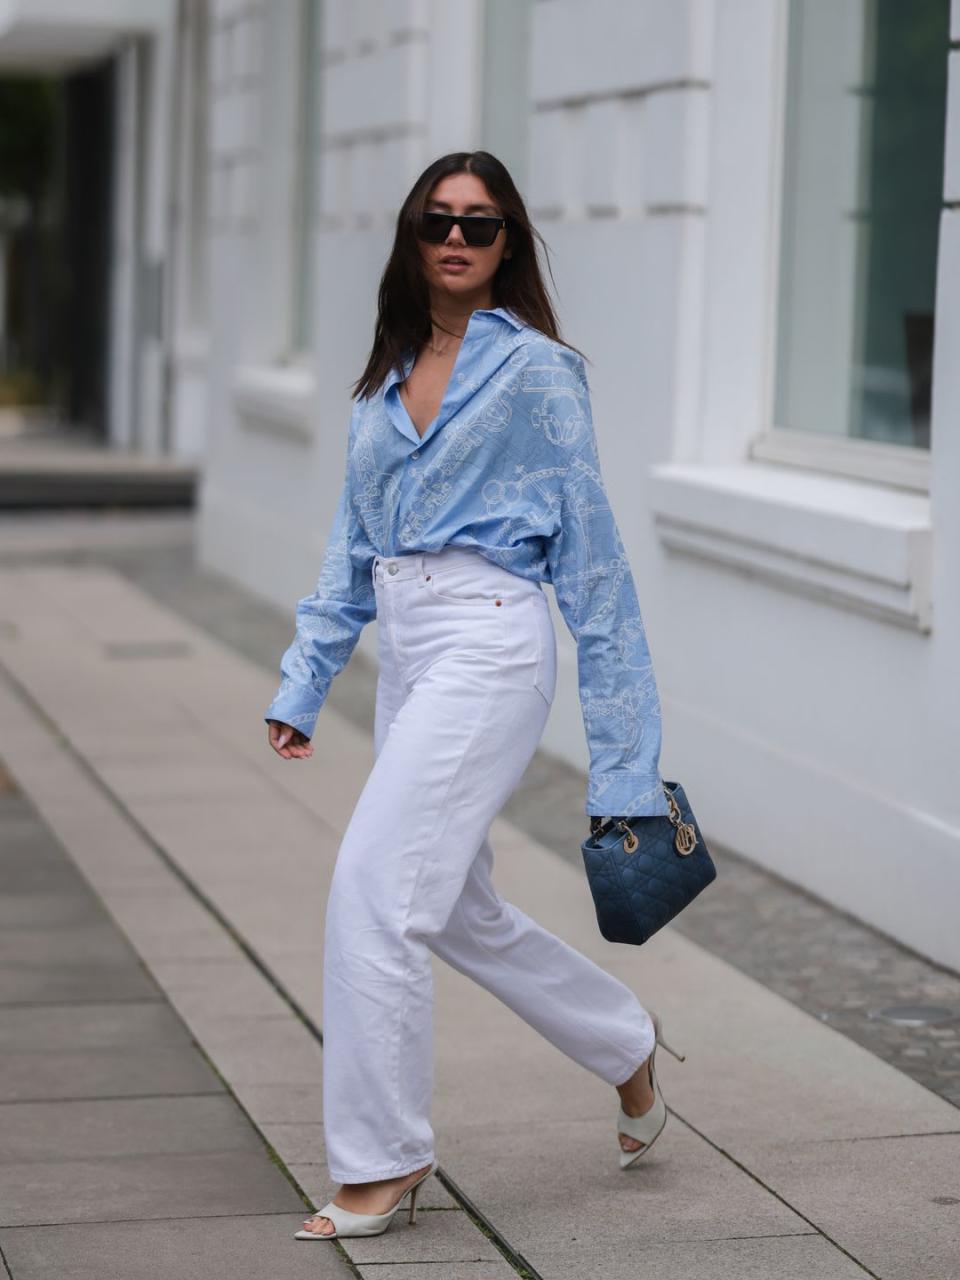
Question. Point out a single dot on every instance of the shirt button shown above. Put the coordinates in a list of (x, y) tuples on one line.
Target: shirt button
[(391, 568), (415, 454)]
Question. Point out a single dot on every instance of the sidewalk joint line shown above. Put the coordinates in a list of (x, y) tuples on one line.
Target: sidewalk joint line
[(776, 1194), (80, 1004), (107, 1097), (885, 1137), (173, 1217)]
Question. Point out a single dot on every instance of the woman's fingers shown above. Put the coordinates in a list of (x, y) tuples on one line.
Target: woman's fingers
[(288, 742), (279, 736)]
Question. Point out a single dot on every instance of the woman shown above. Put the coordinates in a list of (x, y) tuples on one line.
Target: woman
[(472, 478)]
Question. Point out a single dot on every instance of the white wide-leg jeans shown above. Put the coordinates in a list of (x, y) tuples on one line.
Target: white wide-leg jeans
[(467, 675)]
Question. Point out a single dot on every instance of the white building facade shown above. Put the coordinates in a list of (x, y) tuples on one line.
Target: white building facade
[(753, 211)]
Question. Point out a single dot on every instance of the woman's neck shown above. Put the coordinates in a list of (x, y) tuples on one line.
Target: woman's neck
[(451, 317)]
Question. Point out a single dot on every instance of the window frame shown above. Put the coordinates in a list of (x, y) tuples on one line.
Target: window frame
[(903, 466)]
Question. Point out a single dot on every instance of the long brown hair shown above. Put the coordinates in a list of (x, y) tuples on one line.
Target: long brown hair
[(403, 302)]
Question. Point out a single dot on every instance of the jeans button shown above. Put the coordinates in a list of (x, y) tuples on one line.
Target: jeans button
[(415, 454), (391, 568)]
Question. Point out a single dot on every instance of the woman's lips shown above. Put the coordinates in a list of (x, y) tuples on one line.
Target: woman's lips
[(456, 268)]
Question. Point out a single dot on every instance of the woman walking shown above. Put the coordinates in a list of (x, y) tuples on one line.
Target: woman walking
[(472, 478)]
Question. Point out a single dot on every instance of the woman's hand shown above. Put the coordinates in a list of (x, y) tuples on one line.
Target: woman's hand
[(287, 741)]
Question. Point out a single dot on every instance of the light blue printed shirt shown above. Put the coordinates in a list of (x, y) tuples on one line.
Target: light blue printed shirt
[(509, 466)]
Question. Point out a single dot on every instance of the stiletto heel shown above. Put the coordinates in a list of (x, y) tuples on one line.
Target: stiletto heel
[(347, 1223), (648, 1127)]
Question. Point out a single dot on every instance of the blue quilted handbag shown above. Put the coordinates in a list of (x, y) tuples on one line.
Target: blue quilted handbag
[(644, 870)]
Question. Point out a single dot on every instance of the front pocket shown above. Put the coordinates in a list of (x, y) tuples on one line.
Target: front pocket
[(545, 678), (462, 584)]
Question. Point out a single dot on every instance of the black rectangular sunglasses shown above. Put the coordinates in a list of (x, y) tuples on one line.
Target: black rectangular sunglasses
[(479, 230)]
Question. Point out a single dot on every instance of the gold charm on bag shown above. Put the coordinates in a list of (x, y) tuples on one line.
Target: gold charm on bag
[(685, 840), (630, 841)]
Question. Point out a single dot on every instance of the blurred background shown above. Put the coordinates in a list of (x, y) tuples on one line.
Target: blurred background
[(751, 208)]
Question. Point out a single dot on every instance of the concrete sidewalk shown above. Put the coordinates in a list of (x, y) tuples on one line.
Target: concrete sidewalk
[(787, 1144), (121, 1152)]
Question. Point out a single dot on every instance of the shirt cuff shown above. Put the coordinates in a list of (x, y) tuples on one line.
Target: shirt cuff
[(297, 705), (626, 795)]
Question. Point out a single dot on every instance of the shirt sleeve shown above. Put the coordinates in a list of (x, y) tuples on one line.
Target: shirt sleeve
[(328, 622), (598, 601)]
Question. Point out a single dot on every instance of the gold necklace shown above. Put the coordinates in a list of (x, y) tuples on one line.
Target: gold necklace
[(445, 330)]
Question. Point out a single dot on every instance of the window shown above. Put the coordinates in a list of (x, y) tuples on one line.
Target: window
[(505, 105), (861, 198)]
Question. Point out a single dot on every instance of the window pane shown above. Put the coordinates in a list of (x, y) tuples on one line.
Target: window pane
[(862, 194)]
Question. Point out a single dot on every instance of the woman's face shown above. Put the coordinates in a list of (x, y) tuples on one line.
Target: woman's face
[(461, 193)]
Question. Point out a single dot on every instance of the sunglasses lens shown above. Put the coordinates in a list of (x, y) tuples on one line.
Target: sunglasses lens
[(434, 227), (480, 231)]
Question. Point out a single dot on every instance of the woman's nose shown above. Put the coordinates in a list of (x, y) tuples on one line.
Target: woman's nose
[(455, 236)]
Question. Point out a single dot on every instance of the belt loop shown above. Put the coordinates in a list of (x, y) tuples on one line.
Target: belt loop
[(420, 569)]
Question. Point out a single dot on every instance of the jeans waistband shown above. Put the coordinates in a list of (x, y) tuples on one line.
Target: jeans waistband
[(417, 564)]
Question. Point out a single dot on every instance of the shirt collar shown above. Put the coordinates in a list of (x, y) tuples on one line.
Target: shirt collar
[(484, 348), (504, 313)]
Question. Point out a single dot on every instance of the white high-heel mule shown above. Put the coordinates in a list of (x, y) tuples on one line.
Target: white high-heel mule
[(648, 1127), (348, 1223)]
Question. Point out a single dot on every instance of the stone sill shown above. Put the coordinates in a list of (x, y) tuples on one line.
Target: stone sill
[(857, 545), (276, 400)]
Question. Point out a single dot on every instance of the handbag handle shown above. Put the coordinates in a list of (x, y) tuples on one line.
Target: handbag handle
[(685, 836)]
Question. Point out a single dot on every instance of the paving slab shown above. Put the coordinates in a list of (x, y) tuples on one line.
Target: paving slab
[(301, 1142), (28, 867), (144, 1158), (95, 938), (683, 1190), (894, 1203), (487, 1270), (216, 988), (174, 926), (142, 1186), (60, 907), (107, 1129), (800, 1257), (30, 976), (92, 1051), (231, 1247), (263, 1050), (436, 1237), (283, 1103)]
